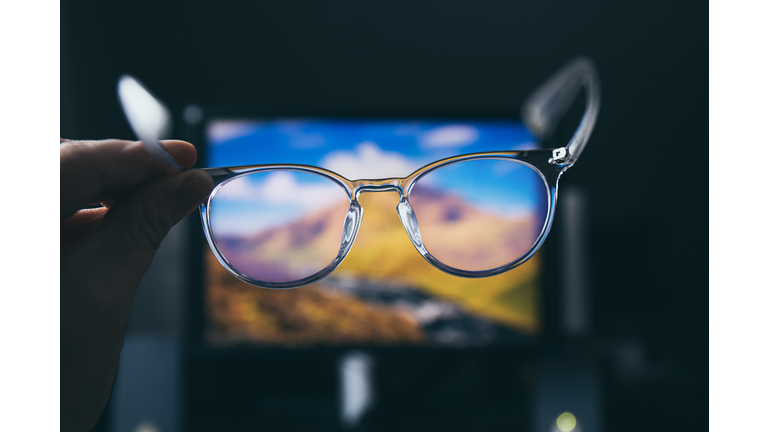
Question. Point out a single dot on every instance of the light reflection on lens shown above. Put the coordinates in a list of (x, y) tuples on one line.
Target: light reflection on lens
[(279, 226), (480, 214)]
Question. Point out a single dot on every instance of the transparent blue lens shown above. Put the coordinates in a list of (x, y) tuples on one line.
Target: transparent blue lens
[(480, 214), (279, 226)]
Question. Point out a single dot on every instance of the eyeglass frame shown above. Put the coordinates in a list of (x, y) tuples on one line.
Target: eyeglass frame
[(540, 113), (149, 118)]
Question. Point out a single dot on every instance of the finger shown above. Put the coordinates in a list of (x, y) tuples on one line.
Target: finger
[(125, 242), (74, 229), (94, 170)]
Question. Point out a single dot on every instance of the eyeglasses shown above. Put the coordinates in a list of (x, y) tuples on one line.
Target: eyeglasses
[(473, 215)]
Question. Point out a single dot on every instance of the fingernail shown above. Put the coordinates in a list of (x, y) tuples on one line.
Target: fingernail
[(195, 188)]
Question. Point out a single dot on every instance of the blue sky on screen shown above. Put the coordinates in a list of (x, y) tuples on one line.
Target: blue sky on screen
[(486, 185), (362, 149), (319, 141)]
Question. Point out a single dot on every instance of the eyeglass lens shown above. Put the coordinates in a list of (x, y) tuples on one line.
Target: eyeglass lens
[(279, 226), (480, 214)]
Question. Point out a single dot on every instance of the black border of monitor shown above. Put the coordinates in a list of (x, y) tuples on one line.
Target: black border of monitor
[(550, 338)]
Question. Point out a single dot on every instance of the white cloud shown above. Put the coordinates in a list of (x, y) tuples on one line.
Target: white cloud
[(259, 202), (245, 224), (368, 161), (281, 187), (297, 137), (528, 145), (455, 135), (238, 189), (225, 130)]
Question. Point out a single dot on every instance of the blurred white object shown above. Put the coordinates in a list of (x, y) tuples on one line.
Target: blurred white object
[(356, 387), (146, 426), (149, 119), (574, 221)]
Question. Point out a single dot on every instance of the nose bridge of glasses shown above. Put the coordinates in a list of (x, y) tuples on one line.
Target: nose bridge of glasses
[(404, 209), (379, 185)]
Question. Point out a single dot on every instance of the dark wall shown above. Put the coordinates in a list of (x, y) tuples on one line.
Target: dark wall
[(645, 168)]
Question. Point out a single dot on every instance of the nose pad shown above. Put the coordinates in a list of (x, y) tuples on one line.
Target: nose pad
[(408, 218), (351, 227)]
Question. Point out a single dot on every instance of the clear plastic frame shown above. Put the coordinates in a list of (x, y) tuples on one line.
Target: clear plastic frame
[(540, 161), (542, 168)]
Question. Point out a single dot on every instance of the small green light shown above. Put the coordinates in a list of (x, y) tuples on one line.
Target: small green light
[(566, 422)]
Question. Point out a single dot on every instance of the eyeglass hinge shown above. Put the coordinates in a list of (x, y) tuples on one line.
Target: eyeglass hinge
[(559, 155)]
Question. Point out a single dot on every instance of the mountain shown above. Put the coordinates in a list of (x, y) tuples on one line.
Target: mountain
[(291, 251), (382, 251), (463, 236)]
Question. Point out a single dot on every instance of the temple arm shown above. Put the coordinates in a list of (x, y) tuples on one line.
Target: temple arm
[(545, 106)]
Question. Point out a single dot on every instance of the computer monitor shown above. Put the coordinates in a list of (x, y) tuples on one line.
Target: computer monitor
[(384, 294), (273, 357)]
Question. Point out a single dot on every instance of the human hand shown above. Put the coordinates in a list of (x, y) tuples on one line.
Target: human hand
[(106, 251)]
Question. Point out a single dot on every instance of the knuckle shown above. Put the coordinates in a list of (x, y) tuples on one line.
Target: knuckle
[(150, 224)]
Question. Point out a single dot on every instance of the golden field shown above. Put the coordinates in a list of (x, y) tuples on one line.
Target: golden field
[(382, 250)]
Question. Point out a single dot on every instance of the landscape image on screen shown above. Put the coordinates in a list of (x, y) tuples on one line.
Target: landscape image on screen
[(384, 293)]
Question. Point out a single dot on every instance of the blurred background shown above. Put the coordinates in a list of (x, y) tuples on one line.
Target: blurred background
[(636, 360)]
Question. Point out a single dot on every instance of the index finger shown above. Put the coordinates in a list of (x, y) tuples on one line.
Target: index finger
[(91, 171)]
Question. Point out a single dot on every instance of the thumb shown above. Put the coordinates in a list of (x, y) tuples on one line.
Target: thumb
[(99, 278), (135, 225)]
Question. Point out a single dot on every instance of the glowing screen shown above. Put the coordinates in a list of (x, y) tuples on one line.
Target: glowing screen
[(278, 226)]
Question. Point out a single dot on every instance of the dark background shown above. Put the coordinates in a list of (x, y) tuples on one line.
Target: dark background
[(645, 168)]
